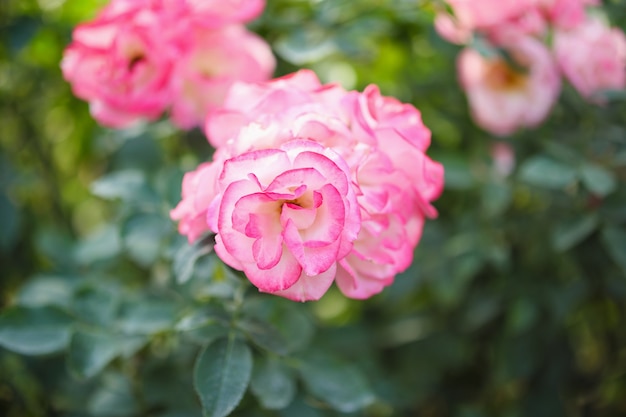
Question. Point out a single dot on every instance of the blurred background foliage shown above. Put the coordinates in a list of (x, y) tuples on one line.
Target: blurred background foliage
[(514, 306)]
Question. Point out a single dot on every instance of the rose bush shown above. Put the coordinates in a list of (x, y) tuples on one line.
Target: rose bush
[(513, 304)]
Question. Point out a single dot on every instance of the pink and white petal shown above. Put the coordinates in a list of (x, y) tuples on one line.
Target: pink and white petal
[(256, 215), (267, 251), (355, 285), (330, 217), (280, 277), (264, 163), (290, 180), (329, 169), (225, 256), (309, 288), (302, 217)]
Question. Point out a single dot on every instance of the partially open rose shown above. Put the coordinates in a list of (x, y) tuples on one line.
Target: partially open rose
[(503, 98), (593, 57), (121, 65), (139, 58), (285, 217), (210, 62)]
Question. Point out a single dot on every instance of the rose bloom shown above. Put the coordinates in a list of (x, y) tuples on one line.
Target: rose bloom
[(382, 144), (120, 64), (210, 13), (211, 61), (285, 216), (218, 13), (476, 14), (140, 57), (593, 58), (490, 18), (503, 99), (566, 14)]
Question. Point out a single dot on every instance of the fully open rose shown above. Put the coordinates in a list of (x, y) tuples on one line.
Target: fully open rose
[(139, 58), (381, 144)]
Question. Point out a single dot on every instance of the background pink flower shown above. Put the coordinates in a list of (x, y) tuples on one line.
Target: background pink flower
[(211, 61), (121, 64), (566, 14), (593, 57), (502, 98), (474, 14), (137, 59)]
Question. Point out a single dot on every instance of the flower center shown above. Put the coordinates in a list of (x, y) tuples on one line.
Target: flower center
[(500, 76)]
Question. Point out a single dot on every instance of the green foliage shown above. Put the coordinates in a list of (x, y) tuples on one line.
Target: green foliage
[(222, 374), (514, 305)]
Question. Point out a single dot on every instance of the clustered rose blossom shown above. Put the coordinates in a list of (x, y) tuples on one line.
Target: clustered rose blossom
[(311, 184), (139, 58), (517, 84)]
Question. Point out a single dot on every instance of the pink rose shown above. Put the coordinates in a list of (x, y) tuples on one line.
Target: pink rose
[(263, 103), (566, 14), (523, 17), (286, 216), (476, 14), (139, 58), (211, 62), (120, 64), (383, 143), (209, 13), (217, 13), (503, 99), (593, 58)]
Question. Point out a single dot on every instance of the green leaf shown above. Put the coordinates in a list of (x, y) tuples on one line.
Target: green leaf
[(45, 290), (458, 174), (96, 305), (265, 335), (496, 198), (338, 383), (204, 326), (147, 316), (102, 245), (569, 233), (615, 242), (187, 256), (125, 185), (598, 180), (273, 384), (221, 375), (545, 172), (113, 398), (143, 235), (284, 321), (34, 331), (89, 352)]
